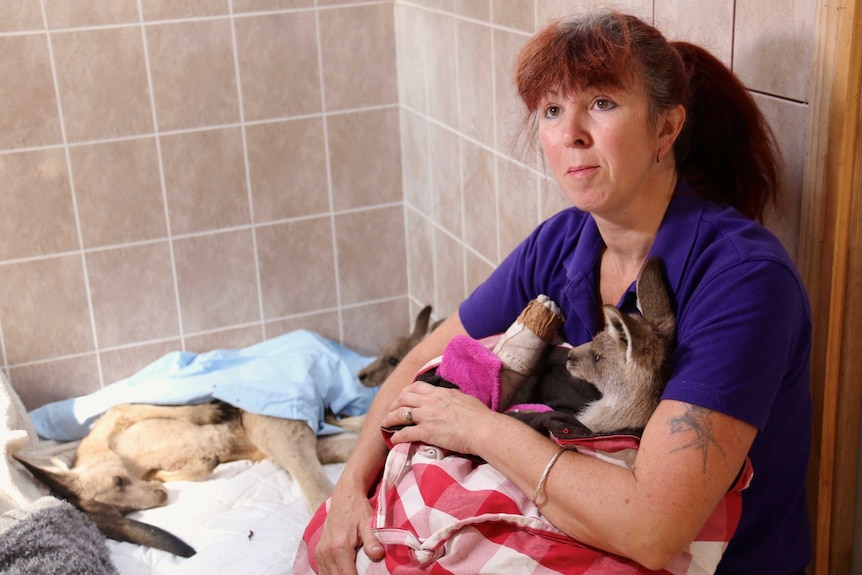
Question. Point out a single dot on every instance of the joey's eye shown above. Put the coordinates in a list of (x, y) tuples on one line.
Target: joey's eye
[(393, 361), (120, 482), (595, 357), (552, 112)]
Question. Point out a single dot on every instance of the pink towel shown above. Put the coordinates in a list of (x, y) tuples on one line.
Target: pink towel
[(474, 368)]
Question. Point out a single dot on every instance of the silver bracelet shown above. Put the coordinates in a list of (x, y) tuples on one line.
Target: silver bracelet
[(545, 474)]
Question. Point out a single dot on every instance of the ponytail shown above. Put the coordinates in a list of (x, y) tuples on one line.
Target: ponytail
[(726, 149)]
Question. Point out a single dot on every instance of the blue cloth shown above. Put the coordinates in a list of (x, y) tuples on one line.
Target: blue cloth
[(294, 376), (744, 340)]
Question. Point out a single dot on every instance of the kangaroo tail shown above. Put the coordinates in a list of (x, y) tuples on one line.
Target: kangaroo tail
[(119, 528)]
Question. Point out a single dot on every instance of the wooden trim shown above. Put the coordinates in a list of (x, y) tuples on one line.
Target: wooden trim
[(829, 205)]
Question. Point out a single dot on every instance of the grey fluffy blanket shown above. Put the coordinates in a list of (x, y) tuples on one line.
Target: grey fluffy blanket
[(49, 537)]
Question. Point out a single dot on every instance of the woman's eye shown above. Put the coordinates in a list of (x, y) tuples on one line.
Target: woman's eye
[(604, 104), (552, 111)]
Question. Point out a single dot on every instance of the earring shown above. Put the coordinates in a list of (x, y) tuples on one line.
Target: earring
[(658, 157)]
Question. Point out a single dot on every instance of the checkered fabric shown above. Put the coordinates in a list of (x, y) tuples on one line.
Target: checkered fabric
[(442, 513)]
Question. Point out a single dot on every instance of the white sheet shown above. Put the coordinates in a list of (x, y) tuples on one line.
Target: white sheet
[(247, 519)]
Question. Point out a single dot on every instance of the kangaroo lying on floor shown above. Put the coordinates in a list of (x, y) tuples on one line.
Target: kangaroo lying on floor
[(120, 465)]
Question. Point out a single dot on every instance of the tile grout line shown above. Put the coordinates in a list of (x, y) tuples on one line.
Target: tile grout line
[(328, 165), (67, 155), (247, 167), (162, 183)]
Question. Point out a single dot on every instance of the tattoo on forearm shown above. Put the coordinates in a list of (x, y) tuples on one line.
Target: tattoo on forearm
[(697, 421)]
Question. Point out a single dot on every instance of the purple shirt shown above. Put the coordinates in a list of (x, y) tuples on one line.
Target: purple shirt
[(744, 339)]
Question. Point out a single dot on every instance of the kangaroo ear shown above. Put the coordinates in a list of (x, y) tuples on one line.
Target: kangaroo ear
[(652, 291), (58, 477), (616, 324), (420, 328)]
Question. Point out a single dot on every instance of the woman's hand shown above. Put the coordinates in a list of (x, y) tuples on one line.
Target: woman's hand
[(444, 417), (347, 527)]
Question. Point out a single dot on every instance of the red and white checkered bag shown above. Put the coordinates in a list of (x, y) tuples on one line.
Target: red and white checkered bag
[(439, 512)]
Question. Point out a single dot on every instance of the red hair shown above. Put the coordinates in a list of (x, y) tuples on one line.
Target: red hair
[(726, 150)]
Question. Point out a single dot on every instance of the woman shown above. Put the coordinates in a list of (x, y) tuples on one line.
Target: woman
[(662, 152)]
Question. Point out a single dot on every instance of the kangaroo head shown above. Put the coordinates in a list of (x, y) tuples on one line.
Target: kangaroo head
[(376, 372), (105, 486), (630, 359)]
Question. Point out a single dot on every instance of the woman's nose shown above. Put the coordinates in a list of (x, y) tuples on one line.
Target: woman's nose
[(575, 134)]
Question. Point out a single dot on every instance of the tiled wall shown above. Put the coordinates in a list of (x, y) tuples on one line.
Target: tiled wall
[(193, 175), (471, 190), (202, 174)]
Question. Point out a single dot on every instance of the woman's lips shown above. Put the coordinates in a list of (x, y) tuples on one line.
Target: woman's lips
[(581, 171)]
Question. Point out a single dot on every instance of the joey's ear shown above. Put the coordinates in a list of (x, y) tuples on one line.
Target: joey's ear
[(618, 328), (421, 326), (652, 292), (56, 476)]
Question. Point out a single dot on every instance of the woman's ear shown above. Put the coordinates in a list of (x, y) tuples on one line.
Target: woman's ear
[(669, 126)]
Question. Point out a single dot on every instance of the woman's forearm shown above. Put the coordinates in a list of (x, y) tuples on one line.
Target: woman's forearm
[(368, 459)]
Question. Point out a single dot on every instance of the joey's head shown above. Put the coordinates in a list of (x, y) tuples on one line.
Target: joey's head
[(632, 350), (376, 372), (107, 486)]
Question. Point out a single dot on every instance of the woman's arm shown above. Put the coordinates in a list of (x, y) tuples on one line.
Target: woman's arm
[(348, 524), (687, 461)]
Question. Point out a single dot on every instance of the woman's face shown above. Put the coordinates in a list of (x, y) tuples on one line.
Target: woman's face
[(602, 149)]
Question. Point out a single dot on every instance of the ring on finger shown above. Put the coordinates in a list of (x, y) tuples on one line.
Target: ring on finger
[(409, 416)]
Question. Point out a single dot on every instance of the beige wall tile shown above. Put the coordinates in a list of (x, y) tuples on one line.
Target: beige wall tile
[(477, 9), (132, 289), (774, 46), (420, 261), (72, 13), (118, 191), (43, 309), (365, 158), (450, 273), (233, 338), (548, 10), (171, 9), (371, 254), (480, 200), (28, 106), (194, 77), (367, 328), (789, 122), (278, 65), (297, 267), (358, 51), (20, 15), (444, 155), (415, 171), (475, 82), (519, 208), (41, 383), (287, 163), (517, 14), (325, 323), (264, 5), (710, 26), (112, 62), (123, 362), (36, 213), (205, 180), (441, 70), (217, 280), (411, 32), (478, 270), (508, 105)]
